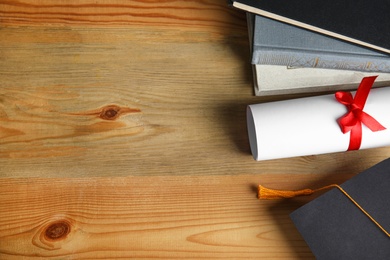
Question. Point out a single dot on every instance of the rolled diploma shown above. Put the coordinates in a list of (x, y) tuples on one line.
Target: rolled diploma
[(308, 126)]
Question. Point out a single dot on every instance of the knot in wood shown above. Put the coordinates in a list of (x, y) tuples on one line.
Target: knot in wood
[(57, 230), (110, 112)]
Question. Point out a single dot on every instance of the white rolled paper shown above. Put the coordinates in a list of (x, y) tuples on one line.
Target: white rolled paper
[(308, 126)]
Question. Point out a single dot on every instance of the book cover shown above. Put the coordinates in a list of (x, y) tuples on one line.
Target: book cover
[(277, 43), (281, 80), (363, 22), (336, 228)]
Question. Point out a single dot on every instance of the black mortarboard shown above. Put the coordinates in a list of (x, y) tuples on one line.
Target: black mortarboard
[(335, 228)]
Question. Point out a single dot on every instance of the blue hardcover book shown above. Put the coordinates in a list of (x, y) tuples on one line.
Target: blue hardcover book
[(278, 43)]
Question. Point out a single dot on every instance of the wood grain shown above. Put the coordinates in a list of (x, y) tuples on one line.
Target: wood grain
[(209, 13), (151, 217), (190, 86), (123, 135)]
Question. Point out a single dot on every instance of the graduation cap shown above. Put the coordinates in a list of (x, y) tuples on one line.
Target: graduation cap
[(350, 221)]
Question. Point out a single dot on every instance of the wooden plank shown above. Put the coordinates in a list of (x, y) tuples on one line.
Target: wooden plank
[(53, 77), (152, 217), (207, 13), (123, 135), (190, 86)]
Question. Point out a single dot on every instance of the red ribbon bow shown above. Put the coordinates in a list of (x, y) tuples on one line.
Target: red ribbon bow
[(353, 119)]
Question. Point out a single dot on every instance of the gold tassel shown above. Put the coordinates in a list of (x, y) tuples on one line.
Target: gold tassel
[(269, 194)]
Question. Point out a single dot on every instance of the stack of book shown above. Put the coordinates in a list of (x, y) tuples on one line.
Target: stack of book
[(306, 46)]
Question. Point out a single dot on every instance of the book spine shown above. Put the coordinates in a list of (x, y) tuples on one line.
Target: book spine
[(293, 58)]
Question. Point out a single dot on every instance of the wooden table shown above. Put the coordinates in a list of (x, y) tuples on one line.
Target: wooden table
[(123, 135)]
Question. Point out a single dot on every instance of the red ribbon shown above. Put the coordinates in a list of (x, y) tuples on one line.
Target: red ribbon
[(353, 119)]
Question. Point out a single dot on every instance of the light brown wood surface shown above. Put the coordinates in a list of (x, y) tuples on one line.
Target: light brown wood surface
[(123, 135)]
